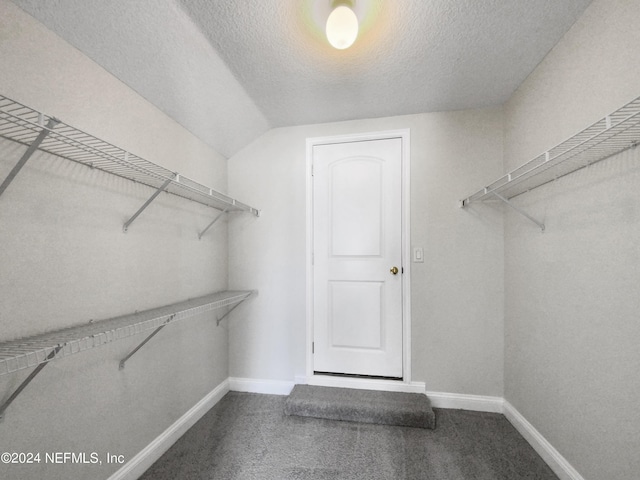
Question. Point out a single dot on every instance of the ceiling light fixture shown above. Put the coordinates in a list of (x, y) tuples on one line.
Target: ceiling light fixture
[(342, 26)]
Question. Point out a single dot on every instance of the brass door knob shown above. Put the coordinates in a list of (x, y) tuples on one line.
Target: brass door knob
[(394, 270)]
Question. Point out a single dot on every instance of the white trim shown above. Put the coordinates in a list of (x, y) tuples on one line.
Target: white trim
[(460, 401), (364, 383), (309, 260), (560, 466), (404, 135), (135, 467), (254, 385)]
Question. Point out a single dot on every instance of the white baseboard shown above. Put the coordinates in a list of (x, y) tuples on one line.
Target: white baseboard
[(254, 385), (477, 403), (135, 467), (363, 383), (560, 466)]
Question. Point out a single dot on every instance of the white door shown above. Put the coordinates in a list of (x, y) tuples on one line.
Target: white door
[(357, 254)]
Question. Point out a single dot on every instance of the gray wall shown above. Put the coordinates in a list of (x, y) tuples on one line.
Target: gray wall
[(572, 320), (457, 293), (65, 260)]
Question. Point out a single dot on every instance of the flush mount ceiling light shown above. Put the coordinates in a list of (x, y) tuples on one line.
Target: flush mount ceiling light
[(342, 26)]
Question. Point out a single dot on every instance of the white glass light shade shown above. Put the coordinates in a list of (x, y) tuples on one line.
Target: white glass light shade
[(342, 27)]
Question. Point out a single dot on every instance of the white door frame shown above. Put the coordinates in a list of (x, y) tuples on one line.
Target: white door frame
[(397, 385)]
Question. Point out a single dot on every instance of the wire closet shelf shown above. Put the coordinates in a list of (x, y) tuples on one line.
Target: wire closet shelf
[(32, 351), (23, 124), (613, 134)]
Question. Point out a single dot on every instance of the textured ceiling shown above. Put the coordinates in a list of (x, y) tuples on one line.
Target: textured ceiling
[(229, 69), (155, 48), (411, 56)]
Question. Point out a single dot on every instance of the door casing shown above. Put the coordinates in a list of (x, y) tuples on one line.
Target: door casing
[(311, 378)]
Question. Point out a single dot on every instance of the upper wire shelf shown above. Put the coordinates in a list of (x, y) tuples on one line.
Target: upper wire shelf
[(23, 124), (613, 134), (39, 349)]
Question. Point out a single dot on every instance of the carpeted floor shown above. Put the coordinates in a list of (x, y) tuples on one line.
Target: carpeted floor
[(247, 436)]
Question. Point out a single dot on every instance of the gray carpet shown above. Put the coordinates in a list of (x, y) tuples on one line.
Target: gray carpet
[(365, 406), (247, 436)]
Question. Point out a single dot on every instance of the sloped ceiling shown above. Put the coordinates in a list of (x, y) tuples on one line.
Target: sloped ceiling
[(228, 70)]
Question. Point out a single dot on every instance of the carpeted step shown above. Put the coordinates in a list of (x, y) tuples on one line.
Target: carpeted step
[(366, 406)]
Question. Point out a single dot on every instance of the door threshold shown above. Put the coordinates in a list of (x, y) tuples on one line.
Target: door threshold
[(356, 375), (364, 383)]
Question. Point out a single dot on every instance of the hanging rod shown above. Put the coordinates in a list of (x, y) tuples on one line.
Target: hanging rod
[(609, 136), (26, 126)]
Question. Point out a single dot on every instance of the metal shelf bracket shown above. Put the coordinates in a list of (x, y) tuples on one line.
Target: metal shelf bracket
[(125, 227), (32, 148), (141, 344), (213, 222), (520, 211), (166, 322), (228, 312), (27, 381)]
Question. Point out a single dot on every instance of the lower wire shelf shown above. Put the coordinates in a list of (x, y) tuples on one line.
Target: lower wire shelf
[(39, 349)]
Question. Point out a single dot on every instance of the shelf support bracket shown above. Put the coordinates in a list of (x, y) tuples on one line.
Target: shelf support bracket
[(32, 148), (213, 222), (141, 344), (519, 210), (27, 381), (125, 227), (230, 310)]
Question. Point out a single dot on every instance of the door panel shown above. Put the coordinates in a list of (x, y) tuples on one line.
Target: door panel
[(357, 240), (356, 200), (355, 314)]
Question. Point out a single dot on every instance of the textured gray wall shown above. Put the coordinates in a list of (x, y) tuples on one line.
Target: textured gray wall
[(65, 260), (571, 316)]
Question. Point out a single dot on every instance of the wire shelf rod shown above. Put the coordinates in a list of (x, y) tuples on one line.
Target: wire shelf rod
[(39, 350), (75, 145), (31, 351), (611, 135), (599, 145), (22, 124)]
